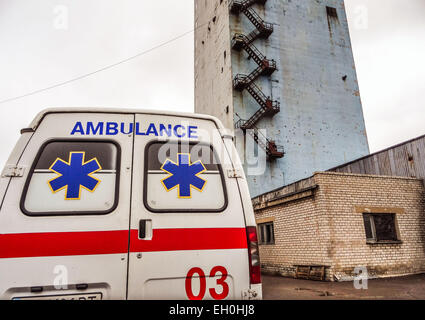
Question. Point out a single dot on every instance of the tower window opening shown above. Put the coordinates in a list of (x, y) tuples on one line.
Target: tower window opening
[(332, 12)]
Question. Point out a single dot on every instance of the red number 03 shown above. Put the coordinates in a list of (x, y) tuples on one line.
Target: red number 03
[(203, 283)]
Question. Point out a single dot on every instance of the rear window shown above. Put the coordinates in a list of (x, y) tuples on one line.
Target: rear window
[(73, 178), (183, 178)]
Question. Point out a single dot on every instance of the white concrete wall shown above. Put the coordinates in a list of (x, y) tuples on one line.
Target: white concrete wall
[(213, 69)]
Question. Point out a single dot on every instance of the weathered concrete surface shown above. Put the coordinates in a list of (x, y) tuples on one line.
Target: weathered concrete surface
[(213, 70), (404, 288), (321, 122)]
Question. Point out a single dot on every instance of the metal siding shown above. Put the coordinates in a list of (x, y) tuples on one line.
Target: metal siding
[(392, 162)]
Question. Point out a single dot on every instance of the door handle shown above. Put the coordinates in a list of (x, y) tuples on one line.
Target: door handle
[(142, 229)]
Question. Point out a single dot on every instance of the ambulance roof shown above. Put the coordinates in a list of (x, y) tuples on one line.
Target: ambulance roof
[(34, 124)]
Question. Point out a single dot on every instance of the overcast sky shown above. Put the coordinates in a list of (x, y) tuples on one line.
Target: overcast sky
[(46, 42)]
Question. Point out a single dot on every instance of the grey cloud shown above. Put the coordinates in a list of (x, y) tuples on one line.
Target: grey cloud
[(389, 56)]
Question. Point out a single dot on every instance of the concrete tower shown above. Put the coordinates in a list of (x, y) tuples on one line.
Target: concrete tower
[(281, 74)]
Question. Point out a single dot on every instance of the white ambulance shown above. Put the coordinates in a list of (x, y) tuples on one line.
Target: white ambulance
[(126, 204)]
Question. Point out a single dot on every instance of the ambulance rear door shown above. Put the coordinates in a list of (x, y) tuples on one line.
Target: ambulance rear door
[(188, 235), (64, 222)]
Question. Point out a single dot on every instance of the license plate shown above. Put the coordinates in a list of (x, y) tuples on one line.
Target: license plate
[(86, 296)]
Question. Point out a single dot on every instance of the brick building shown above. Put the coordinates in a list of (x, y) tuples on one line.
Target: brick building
[(368, 213)]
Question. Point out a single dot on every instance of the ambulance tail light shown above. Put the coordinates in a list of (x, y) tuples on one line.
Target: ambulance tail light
[(254, 256)]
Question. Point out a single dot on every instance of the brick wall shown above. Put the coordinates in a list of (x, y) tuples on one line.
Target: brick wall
[(325, 227)]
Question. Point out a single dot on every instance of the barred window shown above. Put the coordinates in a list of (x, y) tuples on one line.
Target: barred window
[(266, 233)]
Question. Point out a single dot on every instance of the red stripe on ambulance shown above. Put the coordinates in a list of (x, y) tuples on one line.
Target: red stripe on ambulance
[(116, 242), (62, 244), (190, 239)]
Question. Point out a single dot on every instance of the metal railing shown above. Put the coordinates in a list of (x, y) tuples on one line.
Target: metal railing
[(272, 150), (262, 99), (265, 67)]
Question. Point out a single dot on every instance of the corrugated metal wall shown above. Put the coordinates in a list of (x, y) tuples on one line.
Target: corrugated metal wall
[(404, 160)]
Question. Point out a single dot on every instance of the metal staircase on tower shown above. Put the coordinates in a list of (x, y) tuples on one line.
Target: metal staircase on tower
[(272, 150), (265, 67)]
